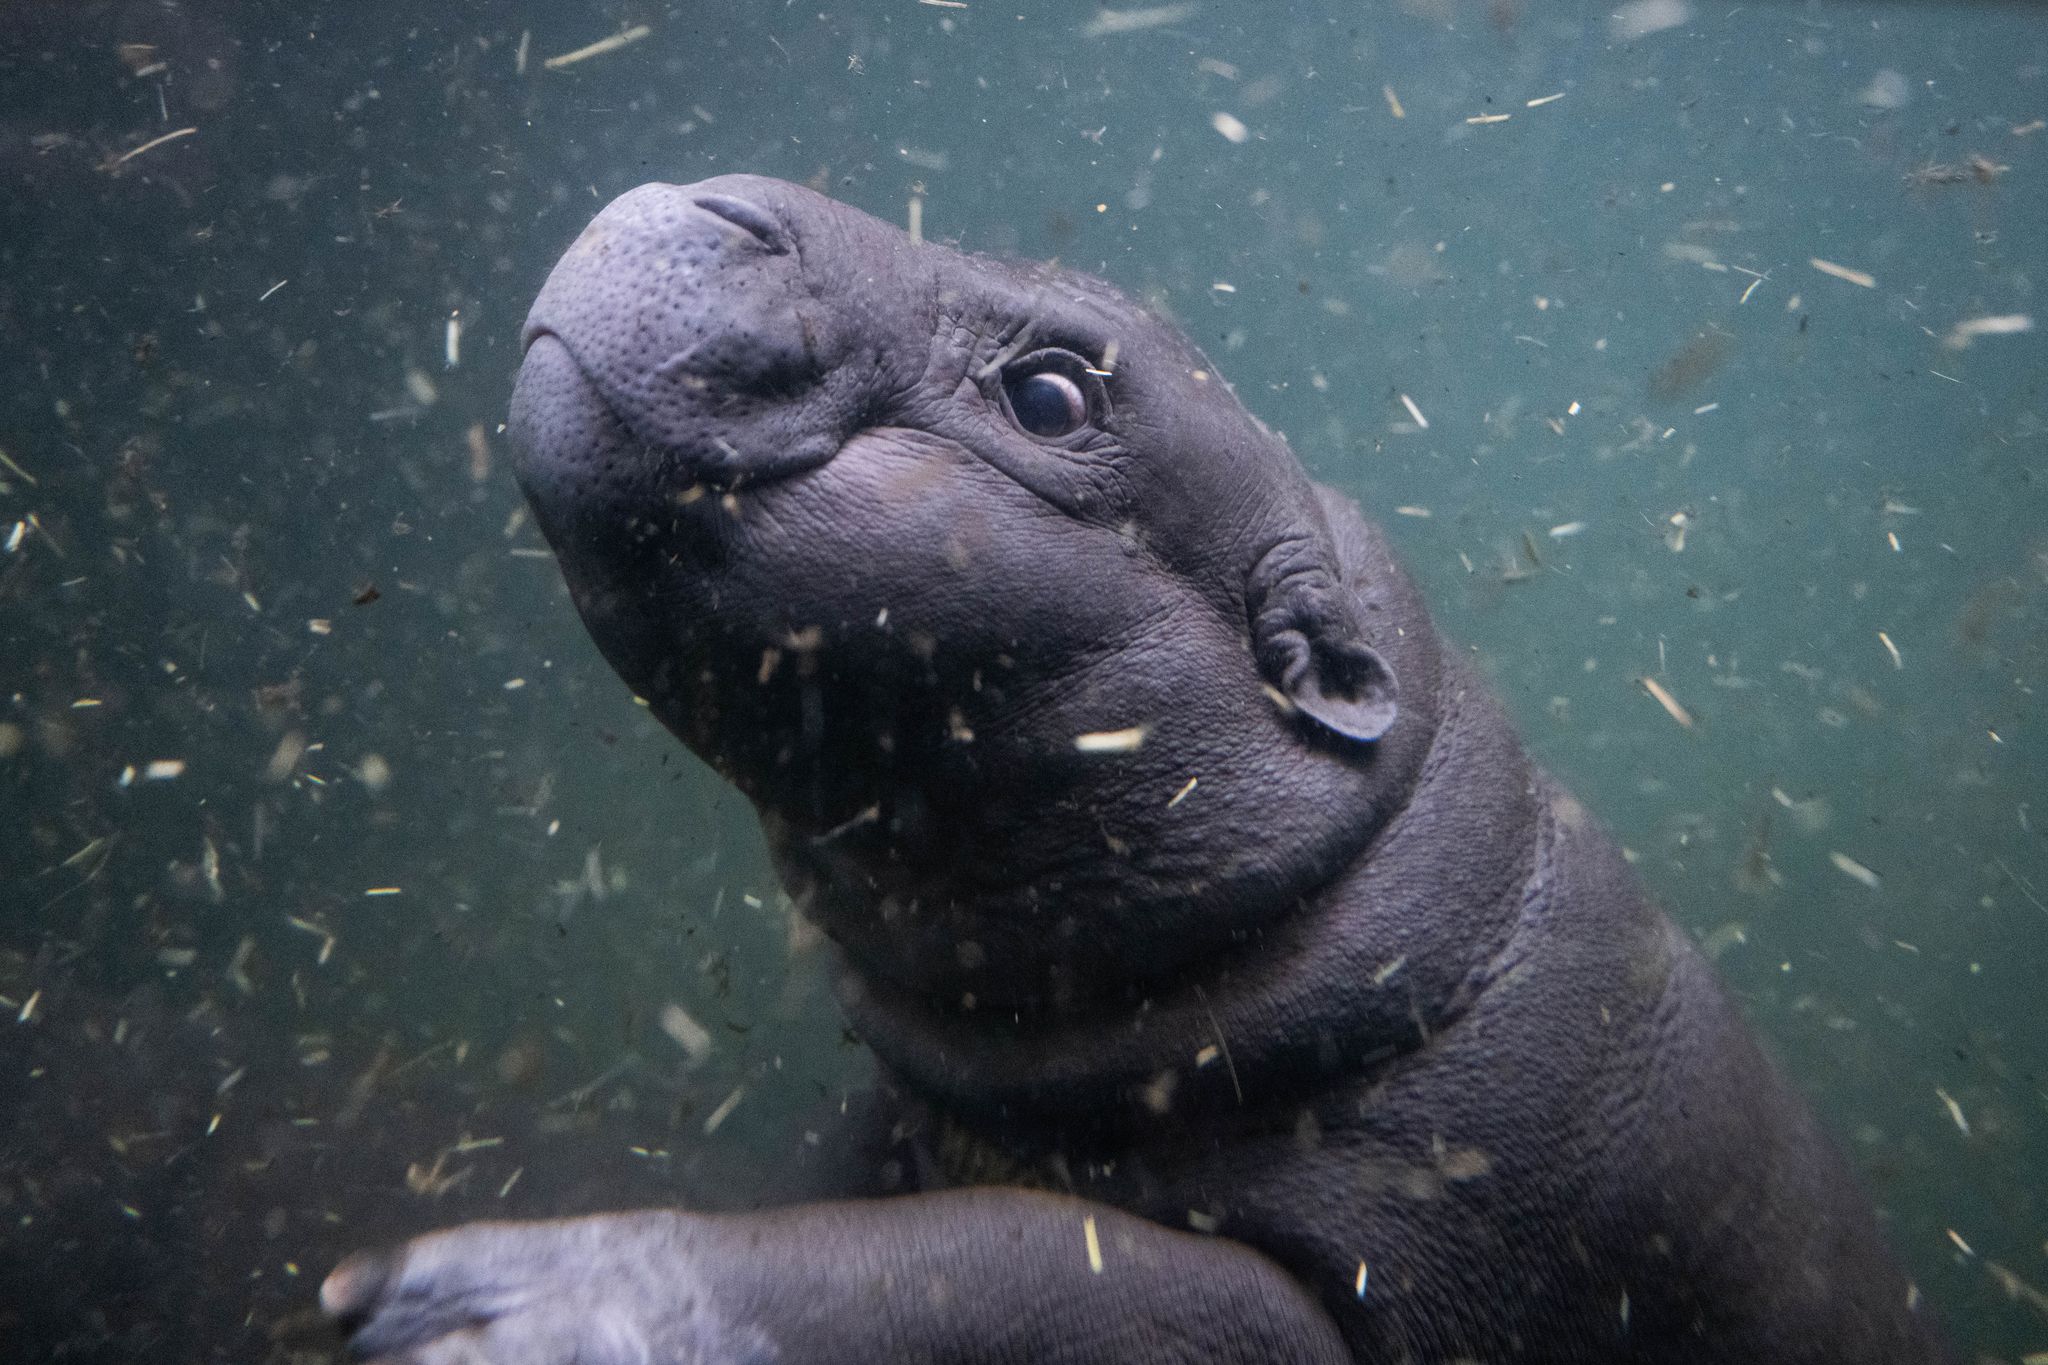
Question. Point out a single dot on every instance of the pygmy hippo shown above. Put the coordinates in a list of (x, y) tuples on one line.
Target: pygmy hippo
[(1249, 994)]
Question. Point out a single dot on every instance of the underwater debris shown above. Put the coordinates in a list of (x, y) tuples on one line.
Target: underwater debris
[(1670, 703), (1843, 272), (1999, 325), (112, 165), (1854, 870), (598, 48), (1114, 21), (1975, 168), (1111, 741)]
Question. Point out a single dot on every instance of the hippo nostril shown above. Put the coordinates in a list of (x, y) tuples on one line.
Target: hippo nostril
[(748, 217)]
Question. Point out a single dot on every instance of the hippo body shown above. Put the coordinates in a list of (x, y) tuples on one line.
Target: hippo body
[(1249, 995)]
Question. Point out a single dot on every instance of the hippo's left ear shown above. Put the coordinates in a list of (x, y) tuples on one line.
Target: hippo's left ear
[(1311, 650), (1341, 683)]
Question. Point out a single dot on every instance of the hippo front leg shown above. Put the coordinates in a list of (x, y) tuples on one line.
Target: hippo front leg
[(988, 1276)]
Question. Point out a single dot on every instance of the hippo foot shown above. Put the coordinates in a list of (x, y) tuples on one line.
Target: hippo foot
[(619, 1289)]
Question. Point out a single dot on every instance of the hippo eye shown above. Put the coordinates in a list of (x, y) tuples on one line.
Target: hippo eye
[(1045, 402)]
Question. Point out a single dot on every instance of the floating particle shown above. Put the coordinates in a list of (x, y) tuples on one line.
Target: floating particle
[(1999, 325), (306, 926), (148, 146), (1421, 422), (374, 772), (724, 1110), (1955, 1111), (1667, 701), (1674, 539), (238, 968), (209, 869), (1887, 90), (1230, 126), (1111, 741), (1843, 272), (689, 1035), (1854, 870), (598, 48), (1641, 18), (1094, 1244), (284, 759), (1112, 21)]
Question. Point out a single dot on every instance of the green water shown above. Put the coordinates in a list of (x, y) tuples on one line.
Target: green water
[(267, 531)]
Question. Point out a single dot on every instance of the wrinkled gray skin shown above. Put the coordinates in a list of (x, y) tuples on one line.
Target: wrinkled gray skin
[(1317, 1026)]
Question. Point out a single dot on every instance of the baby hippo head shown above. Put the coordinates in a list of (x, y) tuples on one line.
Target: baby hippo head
[(1032, 648)]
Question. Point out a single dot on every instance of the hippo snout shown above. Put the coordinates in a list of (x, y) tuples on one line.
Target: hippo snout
[(677, 342)]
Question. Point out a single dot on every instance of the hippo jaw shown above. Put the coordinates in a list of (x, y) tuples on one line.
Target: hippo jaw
[(961, 660)]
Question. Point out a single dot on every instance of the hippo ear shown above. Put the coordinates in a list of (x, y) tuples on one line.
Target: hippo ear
[(1336, 680), (1307, 635)]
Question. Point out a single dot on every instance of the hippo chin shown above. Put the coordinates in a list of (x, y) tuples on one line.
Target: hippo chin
[(1243, 992)]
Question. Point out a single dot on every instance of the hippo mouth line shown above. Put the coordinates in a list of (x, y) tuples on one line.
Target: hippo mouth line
[(712, 462)]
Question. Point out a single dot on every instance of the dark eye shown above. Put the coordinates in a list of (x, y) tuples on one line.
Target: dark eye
[(1046, 402)]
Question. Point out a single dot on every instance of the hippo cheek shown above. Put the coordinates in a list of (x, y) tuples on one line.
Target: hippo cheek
[(853, 637)]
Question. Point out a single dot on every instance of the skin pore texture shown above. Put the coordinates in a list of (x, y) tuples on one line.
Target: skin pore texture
[(1241, 991)]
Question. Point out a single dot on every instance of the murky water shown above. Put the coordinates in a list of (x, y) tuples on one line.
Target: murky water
[(344, 891)]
